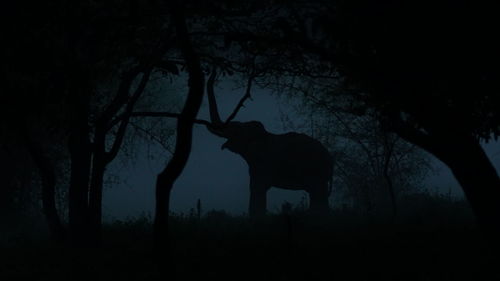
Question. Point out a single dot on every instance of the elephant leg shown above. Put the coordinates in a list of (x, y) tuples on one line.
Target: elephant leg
[(258, 198), (318, 197)]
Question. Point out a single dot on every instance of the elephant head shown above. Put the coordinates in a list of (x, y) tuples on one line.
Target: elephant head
[(241, 135)]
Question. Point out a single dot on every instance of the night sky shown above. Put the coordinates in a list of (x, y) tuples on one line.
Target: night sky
[(219, 178)]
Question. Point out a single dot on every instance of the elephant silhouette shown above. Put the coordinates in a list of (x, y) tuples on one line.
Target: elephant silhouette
[(290, 161)]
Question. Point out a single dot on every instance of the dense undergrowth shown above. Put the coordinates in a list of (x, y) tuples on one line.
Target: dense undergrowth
[(431, 238)]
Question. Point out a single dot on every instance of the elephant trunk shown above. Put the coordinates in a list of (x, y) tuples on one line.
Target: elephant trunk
[(212, 103), (217, 126)]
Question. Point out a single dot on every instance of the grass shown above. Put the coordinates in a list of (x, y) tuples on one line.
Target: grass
[(432, 238)]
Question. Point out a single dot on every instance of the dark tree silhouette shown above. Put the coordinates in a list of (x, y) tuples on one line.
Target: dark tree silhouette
[(46, 171), (61, 57), (185, 121), (431, 76)]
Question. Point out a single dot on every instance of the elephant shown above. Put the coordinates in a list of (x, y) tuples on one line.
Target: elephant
[(292, 161)]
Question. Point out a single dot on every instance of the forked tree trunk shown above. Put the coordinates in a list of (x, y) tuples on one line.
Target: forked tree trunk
[(169, 175), (100, 156)]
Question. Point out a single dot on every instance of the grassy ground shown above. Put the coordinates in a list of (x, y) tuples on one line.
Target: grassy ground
[(439, 242)]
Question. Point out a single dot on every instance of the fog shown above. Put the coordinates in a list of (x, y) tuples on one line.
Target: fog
[(219, 178)]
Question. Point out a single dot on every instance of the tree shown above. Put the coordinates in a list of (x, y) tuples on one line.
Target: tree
[(185, 121), (431, 82), (62, 59)]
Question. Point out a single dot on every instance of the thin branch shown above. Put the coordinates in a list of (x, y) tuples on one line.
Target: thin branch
[(121, 97), (151, 136), (168, 115), (242, 100), (411, 134), (123, 125)]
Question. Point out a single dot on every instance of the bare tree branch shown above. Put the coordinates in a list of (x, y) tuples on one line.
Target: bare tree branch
[(123, 125), (121, 96), (168, 115), (242, 100), (152, 136)]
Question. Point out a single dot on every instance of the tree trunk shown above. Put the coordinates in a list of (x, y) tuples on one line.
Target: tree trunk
[(95, 194), (78, 189), (48, 181), (80, 154), (164, 185), (479, 181), (473, 170), (169, 175)]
